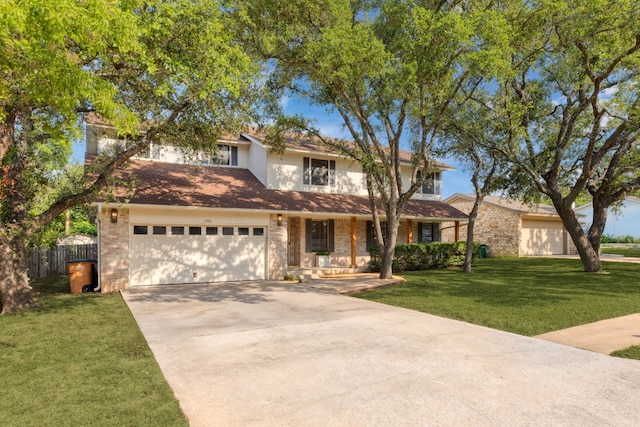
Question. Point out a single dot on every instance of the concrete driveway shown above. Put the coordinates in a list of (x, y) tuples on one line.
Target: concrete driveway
[(283, 354)]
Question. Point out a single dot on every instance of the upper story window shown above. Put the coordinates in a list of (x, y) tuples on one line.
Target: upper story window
[(227, 155), (319, 171), (153, 152), (432, 184)]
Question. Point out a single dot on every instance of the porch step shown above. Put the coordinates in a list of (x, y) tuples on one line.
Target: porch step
[(318, 272)]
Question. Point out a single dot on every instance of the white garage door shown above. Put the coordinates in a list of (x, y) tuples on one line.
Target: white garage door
[(541, 238), (192, 254)]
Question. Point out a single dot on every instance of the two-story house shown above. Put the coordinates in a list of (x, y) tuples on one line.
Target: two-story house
[(247, 214)]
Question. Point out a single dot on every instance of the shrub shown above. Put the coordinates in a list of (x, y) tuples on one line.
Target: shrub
[(607, 238), (424, 256)]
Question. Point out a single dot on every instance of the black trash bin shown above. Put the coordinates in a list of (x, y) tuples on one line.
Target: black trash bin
[(83, 276)]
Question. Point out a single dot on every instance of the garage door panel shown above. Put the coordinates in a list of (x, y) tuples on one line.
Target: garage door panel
[(542, 238), (168, 259)]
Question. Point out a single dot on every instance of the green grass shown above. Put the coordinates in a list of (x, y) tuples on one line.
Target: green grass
[(628, 353), (527, 296), (80, 360), (632, 251)]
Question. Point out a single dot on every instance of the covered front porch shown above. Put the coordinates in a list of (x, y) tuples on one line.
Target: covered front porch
[(347, 240)]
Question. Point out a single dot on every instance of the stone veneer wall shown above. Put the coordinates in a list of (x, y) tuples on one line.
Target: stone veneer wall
[(499, 229), (341, 257), (277, 247), (113, 268)]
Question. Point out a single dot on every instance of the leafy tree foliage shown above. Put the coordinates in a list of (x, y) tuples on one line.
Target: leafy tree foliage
[(391, 69), (573, 108), (168, 71)]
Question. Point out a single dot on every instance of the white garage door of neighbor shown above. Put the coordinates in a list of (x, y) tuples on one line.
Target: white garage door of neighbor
[(190, 254), (541, 238)]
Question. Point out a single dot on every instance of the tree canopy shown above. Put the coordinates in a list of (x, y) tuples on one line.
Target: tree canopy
[(391, 69), (572, 108), (168, 71)]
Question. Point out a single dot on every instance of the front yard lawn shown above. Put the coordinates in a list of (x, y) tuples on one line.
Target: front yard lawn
[(628, 250), (80, 360), (527, 296)]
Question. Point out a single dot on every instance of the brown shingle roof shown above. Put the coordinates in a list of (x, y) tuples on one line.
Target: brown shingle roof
[(172, 184)]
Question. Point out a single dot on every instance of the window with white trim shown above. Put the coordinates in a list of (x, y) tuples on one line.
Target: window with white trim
[(432, 184), (227, 155), (318, 172)]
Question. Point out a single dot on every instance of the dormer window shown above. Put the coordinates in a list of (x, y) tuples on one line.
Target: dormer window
[(318, 172), (432, 184), (226, 156)]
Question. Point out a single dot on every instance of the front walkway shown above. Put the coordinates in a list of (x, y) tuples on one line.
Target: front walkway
[(605, 336), (282, 353)]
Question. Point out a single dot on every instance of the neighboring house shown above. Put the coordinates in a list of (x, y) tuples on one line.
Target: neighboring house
[(621, 221), (77, 239), (247, 214), (513, 228)]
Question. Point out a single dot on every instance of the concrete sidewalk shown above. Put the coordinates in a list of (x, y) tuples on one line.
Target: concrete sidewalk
[(605, 336), (278, 353)]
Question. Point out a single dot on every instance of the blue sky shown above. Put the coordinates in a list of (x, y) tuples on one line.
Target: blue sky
[(330, 124)]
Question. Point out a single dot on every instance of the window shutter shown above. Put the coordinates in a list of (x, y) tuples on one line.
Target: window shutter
[(330, 239), (307, 235), (436, 232), (234, 156), (332, 173), (420, 233), (369, 234), (305, 172)]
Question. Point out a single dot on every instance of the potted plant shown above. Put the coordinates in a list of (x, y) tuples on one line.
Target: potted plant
[(323, 259)]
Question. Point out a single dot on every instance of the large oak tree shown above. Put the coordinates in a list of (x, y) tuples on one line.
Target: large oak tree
[(163, 71), (391, 69), (573, 109)]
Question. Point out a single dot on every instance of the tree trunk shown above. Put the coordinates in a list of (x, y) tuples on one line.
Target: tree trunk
[(468, 256), (588, 256), (597, 226), (15, 292), (388, 249)]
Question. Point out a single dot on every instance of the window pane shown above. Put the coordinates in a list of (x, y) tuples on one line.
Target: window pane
[(139, 229), (227, 231), (212, 231), (195, 231), (177, 231), (222, 156), (243, 231), (319, 236), (157, 229), (258, 231), (319, 172)]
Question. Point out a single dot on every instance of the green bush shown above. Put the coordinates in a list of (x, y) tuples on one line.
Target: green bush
[(424, 256), (607, 238)]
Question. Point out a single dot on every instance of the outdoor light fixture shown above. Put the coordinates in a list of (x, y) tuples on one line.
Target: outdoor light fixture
[(279, 220), (114, 215)]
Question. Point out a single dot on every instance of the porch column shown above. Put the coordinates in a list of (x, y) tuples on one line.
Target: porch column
[(409, 231), (457, 238), (353, 242)]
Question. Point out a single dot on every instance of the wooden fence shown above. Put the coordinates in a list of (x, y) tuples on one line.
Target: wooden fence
[(43, 262)]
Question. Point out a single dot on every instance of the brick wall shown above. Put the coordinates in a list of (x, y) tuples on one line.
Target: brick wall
[(497, 228), (114, 250), (277, 247)]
